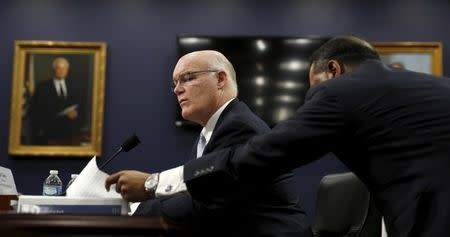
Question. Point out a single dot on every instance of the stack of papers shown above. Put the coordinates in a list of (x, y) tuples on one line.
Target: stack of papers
[(7, 185), (67, 110), (69, 205), (91, 183), (86, 195)]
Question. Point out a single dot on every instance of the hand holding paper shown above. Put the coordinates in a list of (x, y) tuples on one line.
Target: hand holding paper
[(90, 183), (68, 110), (130, 183)]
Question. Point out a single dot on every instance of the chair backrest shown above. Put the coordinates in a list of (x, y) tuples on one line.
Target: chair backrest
[(344, 207)]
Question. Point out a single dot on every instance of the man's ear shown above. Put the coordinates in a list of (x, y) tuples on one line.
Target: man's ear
[(335, 69), (222, 79)]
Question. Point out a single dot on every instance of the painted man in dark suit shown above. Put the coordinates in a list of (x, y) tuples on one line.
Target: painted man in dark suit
[(55, 107), (206, 89)]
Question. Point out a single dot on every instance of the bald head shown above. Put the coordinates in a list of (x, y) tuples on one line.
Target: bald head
[(60, 68), (204, 81), (212, 60)]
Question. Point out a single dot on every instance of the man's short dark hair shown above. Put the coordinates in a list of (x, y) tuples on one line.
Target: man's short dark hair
[(348, 50)]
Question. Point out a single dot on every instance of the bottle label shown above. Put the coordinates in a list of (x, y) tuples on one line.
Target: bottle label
[(52, 190)]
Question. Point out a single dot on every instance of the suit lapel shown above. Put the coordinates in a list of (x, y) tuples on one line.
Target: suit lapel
[(222, 117)]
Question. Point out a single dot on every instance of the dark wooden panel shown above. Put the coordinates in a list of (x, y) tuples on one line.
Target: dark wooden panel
[(76, 225)]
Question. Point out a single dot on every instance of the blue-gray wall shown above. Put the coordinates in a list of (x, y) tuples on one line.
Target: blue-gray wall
[(142, 52)]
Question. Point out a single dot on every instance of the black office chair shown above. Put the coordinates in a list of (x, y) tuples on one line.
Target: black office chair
[(345, 208)]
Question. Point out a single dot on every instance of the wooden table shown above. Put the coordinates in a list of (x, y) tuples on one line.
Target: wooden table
[(86, 225)]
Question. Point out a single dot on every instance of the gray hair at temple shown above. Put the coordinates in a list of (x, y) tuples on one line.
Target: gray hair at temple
[(219, 61)]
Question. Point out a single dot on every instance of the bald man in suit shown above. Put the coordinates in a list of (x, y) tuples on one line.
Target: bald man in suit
[(206, 89)]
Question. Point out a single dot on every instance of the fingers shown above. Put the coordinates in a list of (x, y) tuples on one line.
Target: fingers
[(122, 187), (118, 187), (112, 179), (129, 183)]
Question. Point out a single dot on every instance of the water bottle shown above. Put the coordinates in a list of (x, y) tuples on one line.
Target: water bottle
[(52, 185), (73, 177)]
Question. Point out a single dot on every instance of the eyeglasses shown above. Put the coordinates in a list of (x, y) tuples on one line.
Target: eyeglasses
[(186, 78)]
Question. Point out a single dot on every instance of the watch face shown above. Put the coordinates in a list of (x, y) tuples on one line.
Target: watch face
[(151, 182)]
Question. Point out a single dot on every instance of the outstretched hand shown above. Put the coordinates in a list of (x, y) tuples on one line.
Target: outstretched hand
[(130, 184)]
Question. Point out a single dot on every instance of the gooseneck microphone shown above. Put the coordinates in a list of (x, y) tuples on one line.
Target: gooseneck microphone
[(129, 144)]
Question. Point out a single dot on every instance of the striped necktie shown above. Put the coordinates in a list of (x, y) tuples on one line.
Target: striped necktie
[(201, 145), (61, 91)]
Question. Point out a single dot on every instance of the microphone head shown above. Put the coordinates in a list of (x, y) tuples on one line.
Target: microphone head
[(130, 143)]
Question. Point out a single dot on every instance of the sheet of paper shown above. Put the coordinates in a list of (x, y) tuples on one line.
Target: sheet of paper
[(68, 109), (7, 185), (91, 183)]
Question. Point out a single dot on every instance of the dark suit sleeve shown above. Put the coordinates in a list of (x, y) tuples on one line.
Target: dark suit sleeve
[(314, 130), (229, 137), (40, 110), (235, 126)]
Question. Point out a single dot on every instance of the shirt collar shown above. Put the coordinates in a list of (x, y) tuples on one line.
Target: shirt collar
[(58, 81), (209, 127)]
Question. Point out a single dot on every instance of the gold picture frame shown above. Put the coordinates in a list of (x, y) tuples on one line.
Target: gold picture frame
[(423, 57), (57, 99)]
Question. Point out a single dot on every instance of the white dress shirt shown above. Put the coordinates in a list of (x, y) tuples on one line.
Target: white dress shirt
[(60, 85), (172, 181)]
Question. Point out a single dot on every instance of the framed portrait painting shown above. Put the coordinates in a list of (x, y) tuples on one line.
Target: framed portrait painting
[(57, 98), (425, 57)]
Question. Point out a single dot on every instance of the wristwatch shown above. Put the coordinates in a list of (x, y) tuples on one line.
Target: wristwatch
[(152, 183)]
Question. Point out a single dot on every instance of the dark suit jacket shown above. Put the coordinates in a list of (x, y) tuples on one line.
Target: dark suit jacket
[(44, 108), (390, 127), (266, 208)]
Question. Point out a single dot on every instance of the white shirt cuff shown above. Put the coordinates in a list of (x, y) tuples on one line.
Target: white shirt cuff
[(171, 182)]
